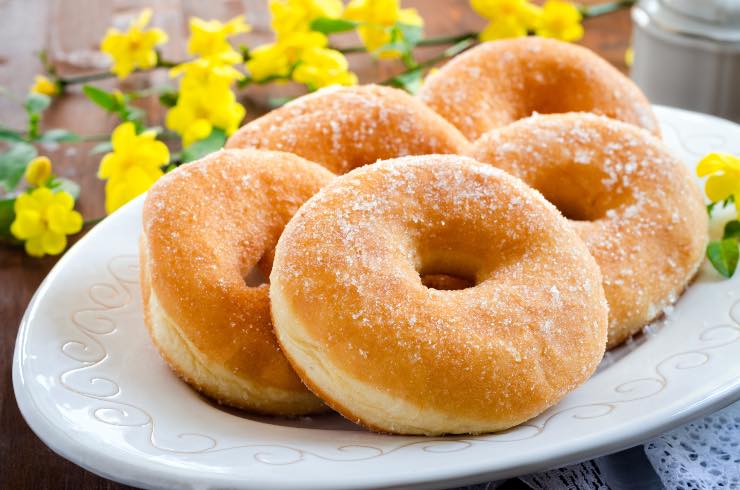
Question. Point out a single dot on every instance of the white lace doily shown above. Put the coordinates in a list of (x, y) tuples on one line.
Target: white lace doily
[(702, 454)]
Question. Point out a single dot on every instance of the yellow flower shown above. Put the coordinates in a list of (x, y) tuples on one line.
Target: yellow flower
[(508, 18), (45, 86), (209, 38), (629, 56), (377, 17), (292, 16), (503, 28), (38, 171), (724, 177), (43, 218), (268, 60), (134, 48), (560, 20), (213, 72), (278, 59), (199, 110), (321, 67), (133, 166)]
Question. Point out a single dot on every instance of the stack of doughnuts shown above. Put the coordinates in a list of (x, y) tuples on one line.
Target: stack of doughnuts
[(455, 262)]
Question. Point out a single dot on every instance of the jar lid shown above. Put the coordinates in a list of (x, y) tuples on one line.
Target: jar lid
[(714, 20)]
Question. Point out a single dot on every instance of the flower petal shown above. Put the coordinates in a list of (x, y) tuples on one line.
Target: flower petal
[(53, 243), (64, 199), (123, 136), (714, 162), (43, 197), (27, 224), (34, 247), (720, 187), (109, 165)]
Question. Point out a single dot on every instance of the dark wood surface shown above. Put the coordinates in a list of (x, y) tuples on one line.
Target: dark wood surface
[(64, 26)]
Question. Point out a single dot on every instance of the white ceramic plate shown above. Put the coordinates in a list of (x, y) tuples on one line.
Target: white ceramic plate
[(90, 384)]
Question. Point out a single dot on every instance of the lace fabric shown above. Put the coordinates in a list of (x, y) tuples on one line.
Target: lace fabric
[(704, 454)]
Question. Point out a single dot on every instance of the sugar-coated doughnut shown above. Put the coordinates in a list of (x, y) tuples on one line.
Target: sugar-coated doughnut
[(346, 127), (206, 226), (635, 205), (499, 82), (363, 332)]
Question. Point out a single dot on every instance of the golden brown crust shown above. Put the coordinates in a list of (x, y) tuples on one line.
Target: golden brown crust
[(344, 128), (635, 205), (206, 225), (360, 328), (500, 82)]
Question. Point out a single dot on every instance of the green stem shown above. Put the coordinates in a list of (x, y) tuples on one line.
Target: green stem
[(436, 41), (91, 222), (430, 41), (453, 50), (64, 81), (351, 49)]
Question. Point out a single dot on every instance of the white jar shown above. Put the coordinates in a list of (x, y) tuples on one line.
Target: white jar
[(687, 54)]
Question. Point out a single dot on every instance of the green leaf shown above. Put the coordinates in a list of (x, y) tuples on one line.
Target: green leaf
[(69, 186), (104, 147), (7, 216), (723, 254), (111, 103), (168, 98), (732, 230), (244, 51), (36, 103), (134, 114), (410, 81), (60, 136), (214, 141), (104, 99), (411, 34), (328, 26), (710, 208), (8, 134), (13, 163)]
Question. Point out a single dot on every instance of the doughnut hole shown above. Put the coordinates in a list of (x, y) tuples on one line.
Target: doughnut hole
[(451, 257), (447, 271), (445, 282), (257, 274), (256, 277), (580, 192)]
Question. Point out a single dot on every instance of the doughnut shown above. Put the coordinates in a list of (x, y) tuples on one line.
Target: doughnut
[(354, 319), (345, 127), (635, 205), (206, 225), (499, 82)]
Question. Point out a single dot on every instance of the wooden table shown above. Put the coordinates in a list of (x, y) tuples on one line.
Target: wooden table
[(28, 26)]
